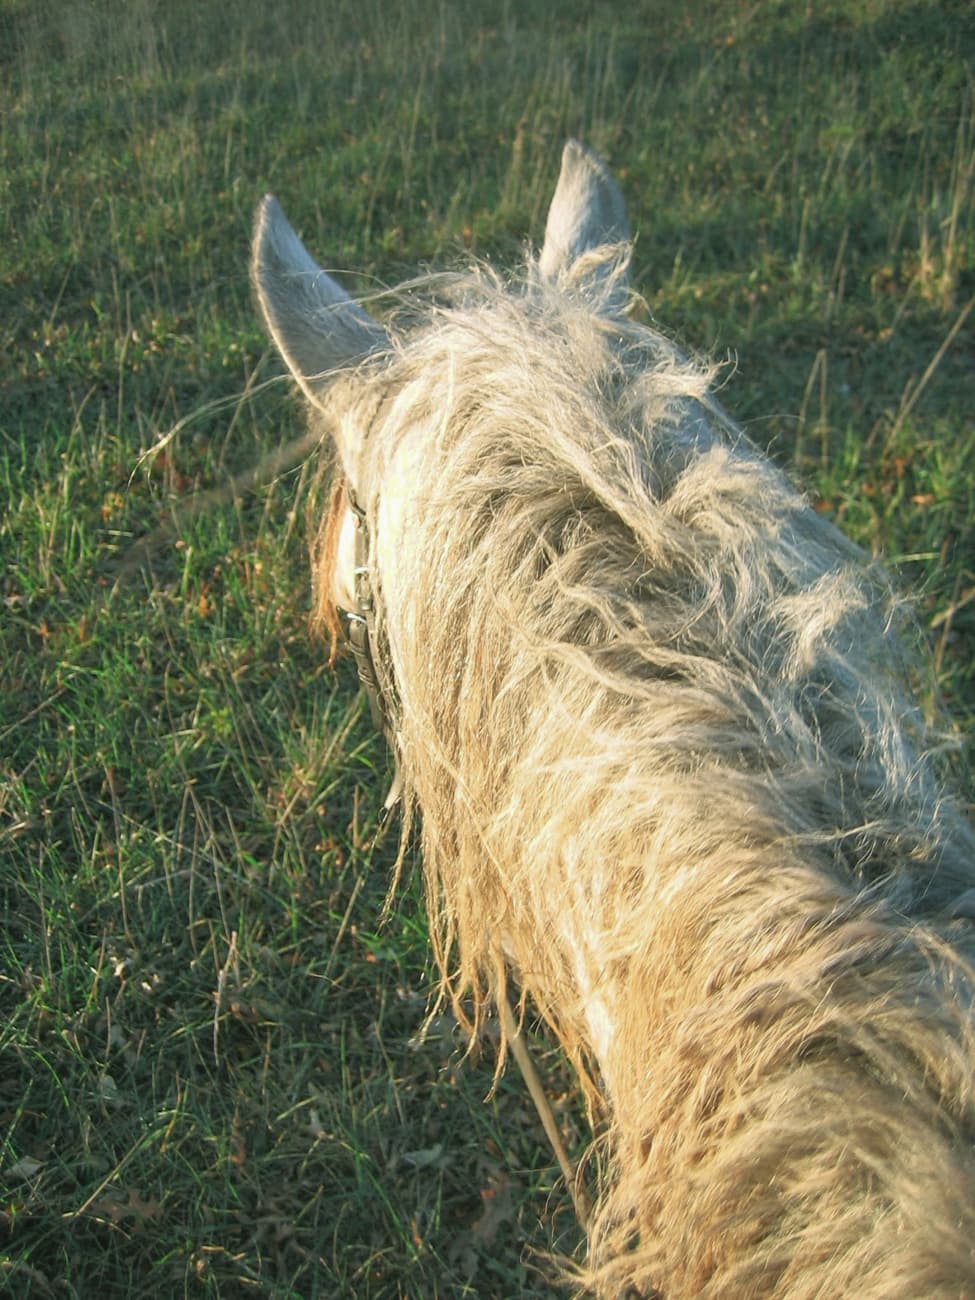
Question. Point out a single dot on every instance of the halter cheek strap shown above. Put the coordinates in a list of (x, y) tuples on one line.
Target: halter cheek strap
[(363, 641)]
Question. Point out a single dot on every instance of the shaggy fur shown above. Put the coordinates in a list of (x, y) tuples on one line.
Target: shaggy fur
[(653, 713)]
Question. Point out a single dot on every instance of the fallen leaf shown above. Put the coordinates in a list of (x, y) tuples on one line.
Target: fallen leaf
[(426, 1157), (140, 1209), (24, 1168), (497, 1208), (111, 1206)]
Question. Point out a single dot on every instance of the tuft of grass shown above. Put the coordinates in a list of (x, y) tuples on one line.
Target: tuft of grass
[(213, 1079)]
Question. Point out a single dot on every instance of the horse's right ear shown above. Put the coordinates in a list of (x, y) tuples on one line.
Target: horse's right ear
[(587, 212), (314, 323)]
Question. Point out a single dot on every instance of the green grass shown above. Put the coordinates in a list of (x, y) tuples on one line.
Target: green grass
[(210, 1079)]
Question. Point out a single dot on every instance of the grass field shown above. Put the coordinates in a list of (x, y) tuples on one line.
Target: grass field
[(211, 1081)]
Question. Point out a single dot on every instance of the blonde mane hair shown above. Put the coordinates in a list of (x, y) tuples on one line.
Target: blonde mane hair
[(654, 714)]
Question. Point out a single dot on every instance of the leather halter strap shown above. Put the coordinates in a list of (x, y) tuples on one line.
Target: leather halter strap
[(363, 641)]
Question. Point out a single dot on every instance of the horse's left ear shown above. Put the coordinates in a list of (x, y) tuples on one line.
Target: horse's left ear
[(314, 323), (587, 212)]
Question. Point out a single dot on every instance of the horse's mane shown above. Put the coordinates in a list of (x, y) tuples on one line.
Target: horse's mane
[(659, 730)]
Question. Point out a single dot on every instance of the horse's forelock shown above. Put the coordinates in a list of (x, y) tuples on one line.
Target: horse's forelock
[(324, 613)]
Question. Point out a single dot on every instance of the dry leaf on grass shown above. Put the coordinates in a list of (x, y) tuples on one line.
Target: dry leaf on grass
[(496, 1210), (428, 1157), (115, 1207), (24, 1169), (496, 1207)]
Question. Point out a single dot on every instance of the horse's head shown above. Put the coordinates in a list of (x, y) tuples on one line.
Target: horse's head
[(331, 345)]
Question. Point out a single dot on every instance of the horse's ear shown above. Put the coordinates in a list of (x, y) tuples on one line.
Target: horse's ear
[(587, 213), (314, 323)]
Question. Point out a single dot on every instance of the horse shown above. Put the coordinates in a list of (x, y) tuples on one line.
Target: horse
[(653, 719)]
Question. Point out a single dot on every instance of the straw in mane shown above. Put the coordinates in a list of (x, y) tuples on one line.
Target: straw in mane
[(651, 708)]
